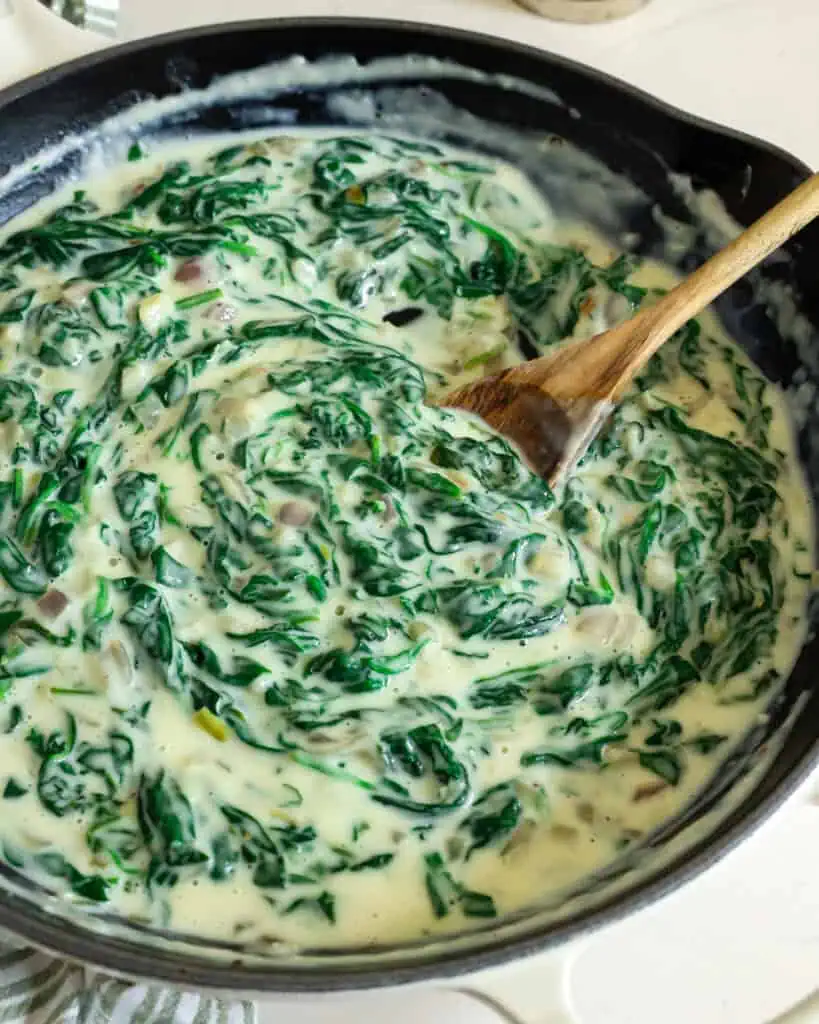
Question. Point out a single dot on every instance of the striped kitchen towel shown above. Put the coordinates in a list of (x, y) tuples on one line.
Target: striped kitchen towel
[(36, 989)]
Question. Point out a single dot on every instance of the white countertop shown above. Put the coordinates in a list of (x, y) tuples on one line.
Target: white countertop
[(741, 943), (748, 63)]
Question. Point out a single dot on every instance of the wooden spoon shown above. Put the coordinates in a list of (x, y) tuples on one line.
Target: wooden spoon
[(553, 406)]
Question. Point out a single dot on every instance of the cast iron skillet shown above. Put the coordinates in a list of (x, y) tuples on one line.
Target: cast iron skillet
[(633, 135)]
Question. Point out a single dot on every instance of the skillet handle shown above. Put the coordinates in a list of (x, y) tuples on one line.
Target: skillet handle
[(534, 992), (32, 38)]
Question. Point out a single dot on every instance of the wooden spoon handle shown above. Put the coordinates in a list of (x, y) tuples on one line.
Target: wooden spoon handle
[(551, 407), (602, 367), (715, 276)]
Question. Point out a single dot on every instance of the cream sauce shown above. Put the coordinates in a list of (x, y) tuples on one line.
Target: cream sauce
[(665, 546)]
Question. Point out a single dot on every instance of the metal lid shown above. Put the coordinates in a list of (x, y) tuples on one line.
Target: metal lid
[(584, 10)]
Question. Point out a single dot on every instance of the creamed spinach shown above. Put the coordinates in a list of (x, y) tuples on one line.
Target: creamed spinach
[(288, 655)]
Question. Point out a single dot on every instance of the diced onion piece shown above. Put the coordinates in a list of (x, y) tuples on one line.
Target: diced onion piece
[(10, 334), (243, 413), (418, 628), (116, 669), (76, 294), (121, 658), (190, 270), (520, 839), (134, 378), (153, 311), (342, 737), (281, 145), (304, 272), (608, 626), (234, 488), (222, 312), (53, 603), (647, 791), (660, 572), (458, 478), (296, 513), (149, 410), (11, 432), (551, 562)]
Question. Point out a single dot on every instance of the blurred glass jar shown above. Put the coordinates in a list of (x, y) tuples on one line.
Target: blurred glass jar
[(584, 10), (97, 15)]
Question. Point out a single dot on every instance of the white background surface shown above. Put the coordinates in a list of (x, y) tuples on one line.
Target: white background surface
[(740, 944), (748, 63)]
